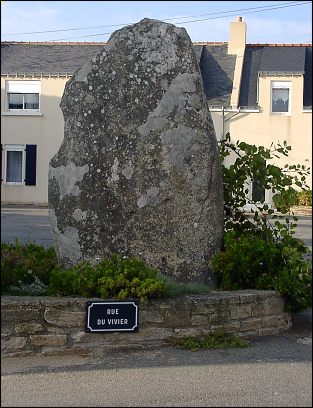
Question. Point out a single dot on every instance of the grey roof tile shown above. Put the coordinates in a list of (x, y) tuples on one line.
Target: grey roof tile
[(274, 60), (217, 69), (307, 94), (283, 59), (47, 58)]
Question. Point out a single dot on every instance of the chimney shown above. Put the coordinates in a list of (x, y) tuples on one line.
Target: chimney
[(237, 38), (236, 46)]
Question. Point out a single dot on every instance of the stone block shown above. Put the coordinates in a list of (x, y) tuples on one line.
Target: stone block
[(48, 339), (260, 308), (150, 316), (226, 327), (176, 318), (187, 332), (275, 305), (15, 343), (28, 328), (199, 320), (250, 324), (64, 318), (240, 312)]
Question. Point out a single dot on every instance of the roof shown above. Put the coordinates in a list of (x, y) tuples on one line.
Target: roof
[(275, 60), (217, 67), (47, 58)]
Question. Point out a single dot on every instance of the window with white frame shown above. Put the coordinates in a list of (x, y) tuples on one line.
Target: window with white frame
[(281, 96), (14, 164), (19, 164), (23, 96)]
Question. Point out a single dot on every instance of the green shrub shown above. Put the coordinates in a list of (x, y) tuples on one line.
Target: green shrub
[(304, 198), (116, 277), (251, 261), (286, 199), (216, 340), (259, 250), (23, 264)]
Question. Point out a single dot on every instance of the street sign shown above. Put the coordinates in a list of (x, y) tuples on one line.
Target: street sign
[(111, 316)]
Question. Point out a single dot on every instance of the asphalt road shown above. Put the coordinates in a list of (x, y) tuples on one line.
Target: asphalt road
[(274, 371), (30, 224)]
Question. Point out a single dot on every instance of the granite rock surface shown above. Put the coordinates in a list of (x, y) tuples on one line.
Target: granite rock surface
[(138, 172)]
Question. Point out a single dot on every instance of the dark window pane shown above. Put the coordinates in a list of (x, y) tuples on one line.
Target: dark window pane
[(15, 101), (14, 166), (258, 192)]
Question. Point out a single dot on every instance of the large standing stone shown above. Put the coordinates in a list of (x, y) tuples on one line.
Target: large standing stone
[(138, 172)]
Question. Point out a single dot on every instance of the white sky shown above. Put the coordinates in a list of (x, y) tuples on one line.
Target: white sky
[(291, 24)]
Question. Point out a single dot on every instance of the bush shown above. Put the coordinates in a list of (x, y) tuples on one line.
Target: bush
[(250, 261), (286, 199), (116, 277), (259, 250), (33, 270), (23, 265), (216, 340), (304, 198)]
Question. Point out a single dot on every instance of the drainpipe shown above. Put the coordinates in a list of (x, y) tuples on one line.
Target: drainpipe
[(223, 122), (235, 114)]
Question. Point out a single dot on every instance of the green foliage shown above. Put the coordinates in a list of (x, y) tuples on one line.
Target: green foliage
[(304, 198), (291, 197), (250, 261), (216, 340), (116, 277), (33, 270), (24, 265), (248, 164), (286, 199), (259, 250)]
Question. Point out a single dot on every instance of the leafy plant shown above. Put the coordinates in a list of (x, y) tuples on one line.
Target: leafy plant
[(36, 288), (304, 198), (248, 164), (259, 250), (116, 277), (286, 198), (215, 340), (249, 261), (17, 260)]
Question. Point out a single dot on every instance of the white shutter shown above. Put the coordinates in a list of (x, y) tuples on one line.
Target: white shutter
[(23, 86)]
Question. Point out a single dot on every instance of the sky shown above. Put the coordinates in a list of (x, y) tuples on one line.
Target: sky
[(267, 21)]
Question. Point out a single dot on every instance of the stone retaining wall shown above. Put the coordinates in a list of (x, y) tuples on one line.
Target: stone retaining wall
[(56, 326)]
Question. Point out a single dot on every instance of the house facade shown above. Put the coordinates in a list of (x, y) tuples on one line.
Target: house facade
[(260, 93)]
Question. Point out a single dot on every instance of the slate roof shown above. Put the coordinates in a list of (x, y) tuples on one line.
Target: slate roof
[(217, 67), (274, 60), (46, 58)]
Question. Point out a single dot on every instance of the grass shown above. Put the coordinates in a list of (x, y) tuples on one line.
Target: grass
[(216, 340)]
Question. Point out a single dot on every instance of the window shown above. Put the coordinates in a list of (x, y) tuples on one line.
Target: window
[(23, 96), (258, 192), (281, 91), (19, 164)]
